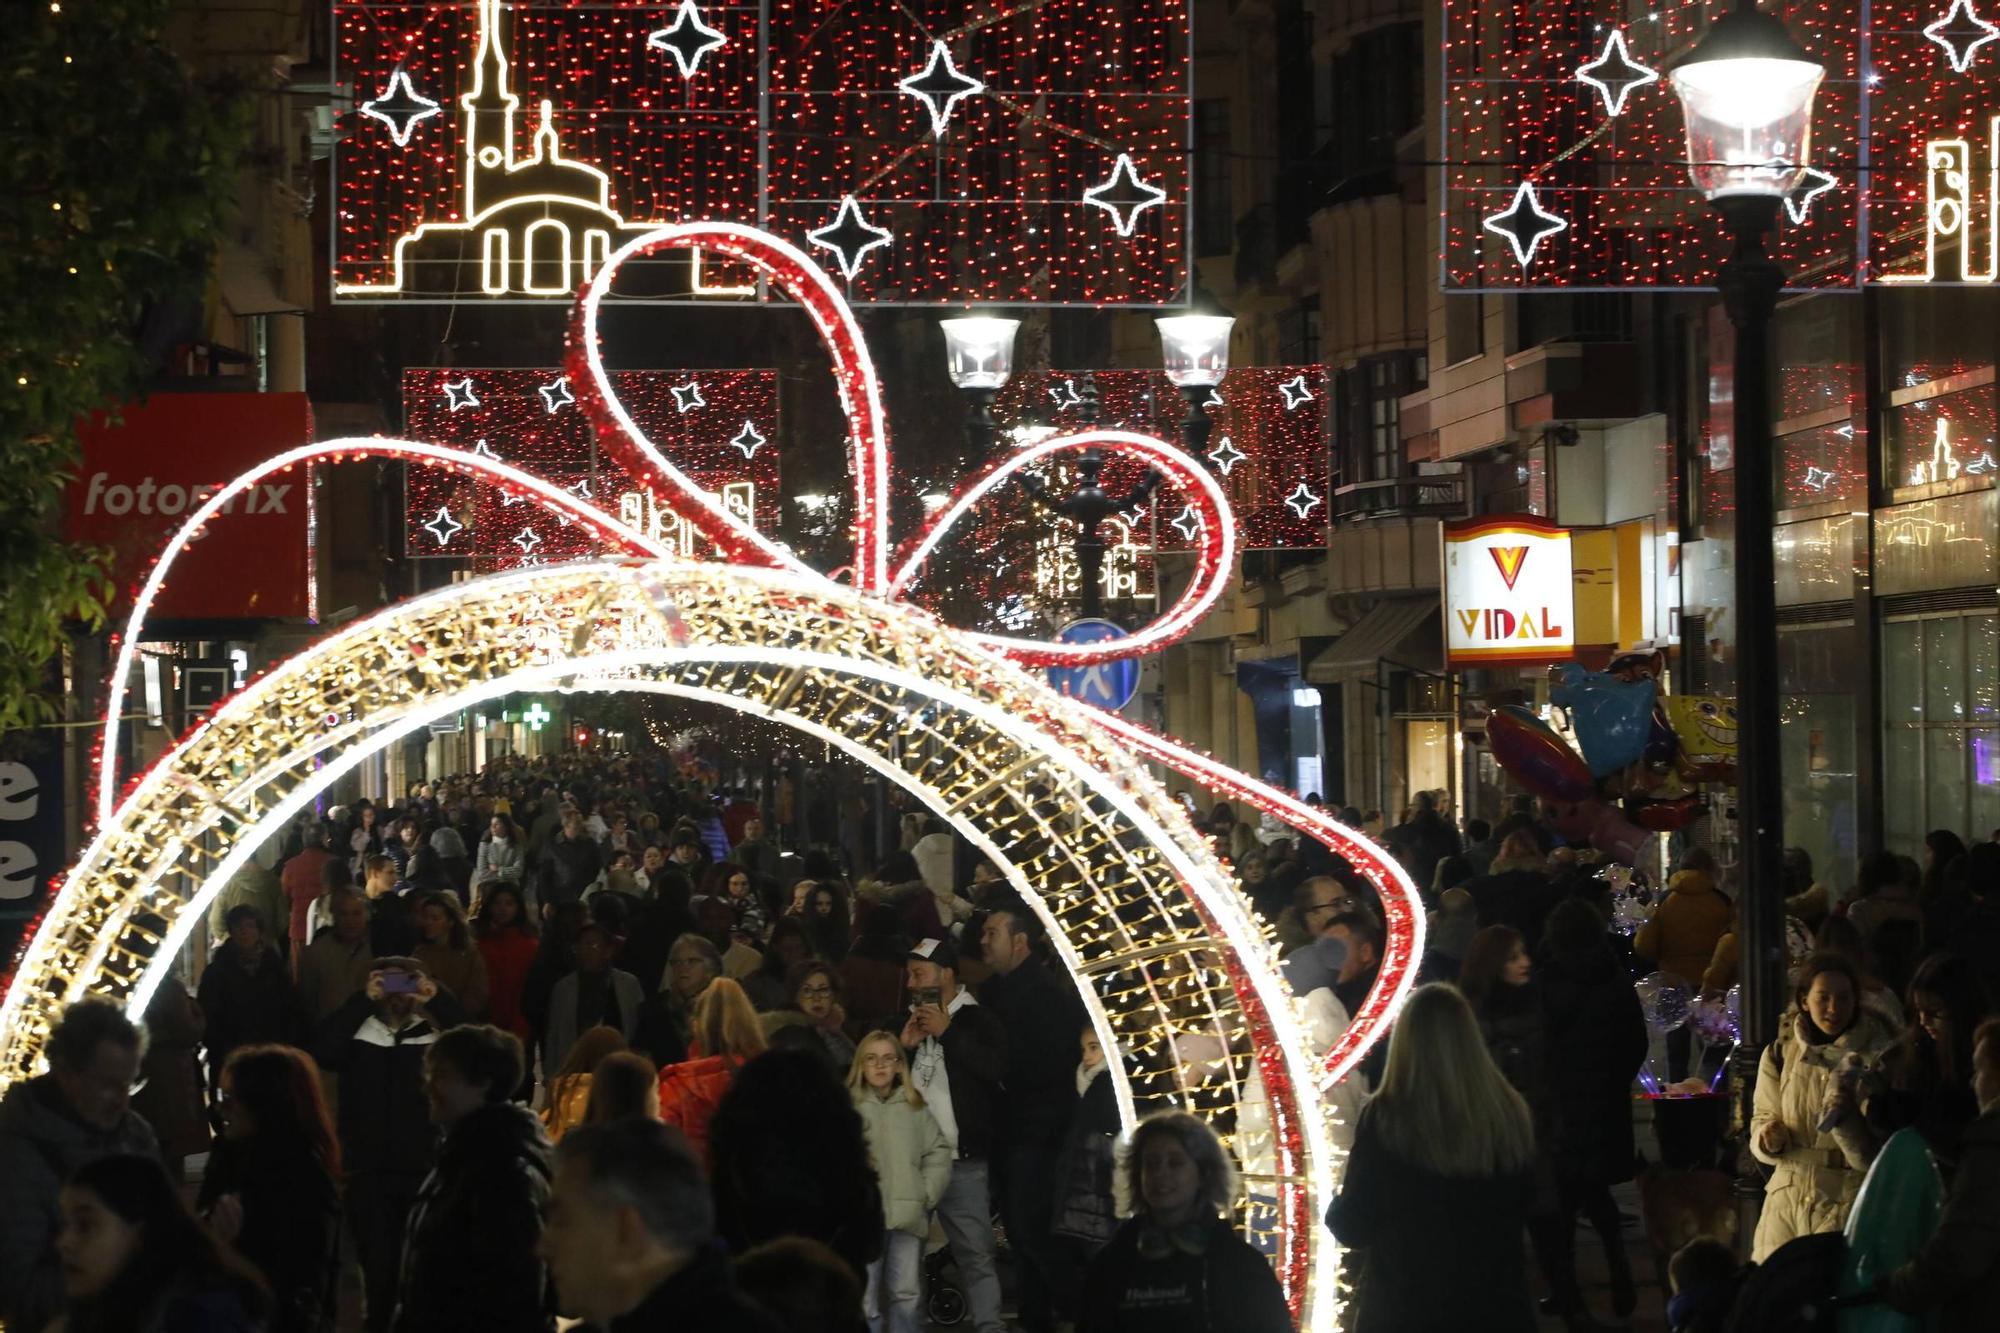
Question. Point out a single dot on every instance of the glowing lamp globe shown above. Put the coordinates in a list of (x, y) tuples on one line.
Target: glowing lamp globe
[(979, 350), (1195, 349), (1746, 94)]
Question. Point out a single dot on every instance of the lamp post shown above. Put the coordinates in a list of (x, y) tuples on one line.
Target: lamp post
[(1195, 350), (979, 356), (1088, 506), (1746, 93)]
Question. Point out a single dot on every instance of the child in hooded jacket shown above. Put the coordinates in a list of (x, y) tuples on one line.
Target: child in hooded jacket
[(912, 1164)]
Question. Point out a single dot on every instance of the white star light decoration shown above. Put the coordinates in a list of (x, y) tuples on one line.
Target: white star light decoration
[(401, 107), (527, 539), (1614, 74), (688, 39), (1124, 196), (940, 86), (1296, 393), (1302, 500), (1065, 396), (1226, 456), (687, 397), (485, 450), (460, 395), (1187, 523), (1961, 33), (850, 237), (1818, 477), (444, 527), (748, 440), (557, 396), (1525, 223)]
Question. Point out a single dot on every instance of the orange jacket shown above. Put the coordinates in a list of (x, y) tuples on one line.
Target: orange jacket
[(1685, 929), (689, 1093)]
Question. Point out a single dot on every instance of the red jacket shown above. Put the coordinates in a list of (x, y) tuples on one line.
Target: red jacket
[(508, 954), (304, 881), (689, 1093)]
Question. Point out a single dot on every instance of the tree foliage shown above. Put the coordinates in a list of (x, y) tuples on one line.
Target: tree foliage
[(117, 171)]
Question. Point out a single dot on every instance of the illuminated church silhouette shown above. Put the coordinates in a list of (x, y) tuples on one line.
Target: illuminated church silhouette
[(534, 226)]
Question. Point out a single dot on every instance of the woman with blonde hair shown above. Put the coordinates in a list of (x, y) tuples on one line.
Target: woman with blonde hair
[(725, 1033), (1443, 1163), (1177, 1262), (569, 1090), (912, 1160)]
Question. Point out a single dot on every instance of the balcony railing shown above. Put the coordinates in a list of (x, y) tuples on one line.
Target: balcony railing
[(1432, 497)]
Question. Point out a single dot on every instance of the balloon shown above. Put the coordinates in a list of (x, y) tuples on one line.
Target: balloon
[(1611, 717), (1598, 823), (1662, 746), (1712, 1023), (1667, 816), (1665, 998), (1535, 756), (1893, 1216), (1706, 729)]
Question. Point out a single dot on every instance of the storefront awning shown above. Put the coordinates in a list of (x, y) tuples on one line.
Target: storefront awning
[(1375, 636), (247, 285)]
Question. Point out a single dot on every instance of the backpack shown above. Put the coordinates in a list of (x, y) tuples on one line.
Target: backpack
[(1793, 1290)]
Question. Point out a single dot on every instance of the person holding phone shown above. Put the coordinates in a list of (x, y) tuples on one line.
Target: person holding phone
[(377, 1042), (958, 1055)]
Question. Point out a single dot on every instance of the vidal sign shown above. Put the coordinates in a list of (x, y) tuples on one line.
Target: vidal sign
[(1509, 596)]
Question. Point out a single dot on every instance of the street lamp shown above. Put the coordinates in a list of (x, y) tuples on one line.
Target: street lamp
[(1746, 93), (979, 356), (1195, 349)]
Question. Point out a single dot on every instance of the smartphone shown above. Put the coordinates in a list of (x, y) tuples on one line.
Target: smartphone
[(922, 995), (399, 983)]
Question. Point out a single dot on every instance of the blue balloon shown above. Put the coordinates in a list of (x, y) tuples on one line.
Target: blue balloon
[(1895, 1213), (1612, 718)]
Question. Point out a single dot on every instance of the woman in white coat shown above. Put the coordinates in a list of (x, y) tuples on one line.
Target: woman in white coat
[(1807, 1123)]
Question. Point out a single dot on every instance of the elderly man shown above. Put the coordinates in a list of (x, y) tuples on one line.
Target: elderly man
[(630, 1235)]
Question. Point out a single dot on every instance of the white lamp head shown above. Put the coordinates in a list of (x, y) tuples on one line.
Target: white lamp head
[(1195, 348), (979, 350), (1746, 93)]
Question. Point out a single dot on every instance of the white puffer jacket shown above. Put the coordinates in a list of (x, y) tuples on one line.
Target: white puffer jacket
[(1816, 1177)]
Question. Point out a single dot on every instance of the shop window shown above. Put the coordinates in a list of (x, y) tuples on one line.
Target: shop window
[(1942, 438), (1818, 688), (1941, 720), (1821, 465)]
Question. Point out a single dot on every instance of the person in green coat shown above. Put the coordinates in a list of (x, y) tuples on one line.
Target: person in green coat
[(912, 1161)]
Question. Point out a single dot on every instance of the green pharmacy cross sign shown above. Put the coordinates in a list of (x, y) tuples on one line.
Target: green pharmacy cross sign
[(536, 715)]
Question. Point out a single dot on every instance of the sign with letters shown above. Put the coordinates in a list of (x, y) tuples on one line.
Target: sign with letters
[(145, 473), (1509, 592)]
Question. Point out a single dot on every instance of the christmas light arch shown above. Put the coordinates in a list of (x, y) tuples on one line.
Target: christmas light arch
[(1174, 966), (1140, 908)]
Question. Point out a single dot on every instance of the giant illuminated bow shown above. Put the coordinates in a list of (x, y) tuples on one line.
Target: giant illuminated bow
[(796, 276)]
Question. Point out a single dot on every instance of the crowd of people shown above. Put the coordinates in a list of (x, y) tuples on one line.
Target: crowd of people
[(580, 1037)]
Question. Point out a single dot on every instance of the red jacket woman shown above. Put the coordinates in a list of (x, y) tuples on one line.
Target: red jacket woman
[(508, 943), (725, 1023)]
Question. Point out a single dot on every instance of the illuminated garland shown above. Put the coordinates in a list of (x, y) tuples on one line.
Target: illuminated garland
[(695, 414), (1566, 153), (1015, 153)]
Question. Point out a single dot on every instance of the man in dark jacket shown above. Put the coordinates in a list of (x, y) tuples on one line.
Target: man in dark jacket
[(571, 862), (1957, 1273), (1044, 1023), (630, 1235), (246, 994), (469, 1254), (958, 1056), (376, 1043), (49, 1126)]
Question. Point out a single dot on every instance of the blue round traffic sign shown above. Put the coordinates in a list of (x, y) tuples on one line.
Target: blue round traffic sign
[(1109, 685)]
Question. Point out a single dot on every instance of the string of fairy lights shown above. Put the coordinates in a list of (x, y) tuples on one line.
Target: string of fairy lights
[(720, 426), (1567, 162), (945, 154)]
